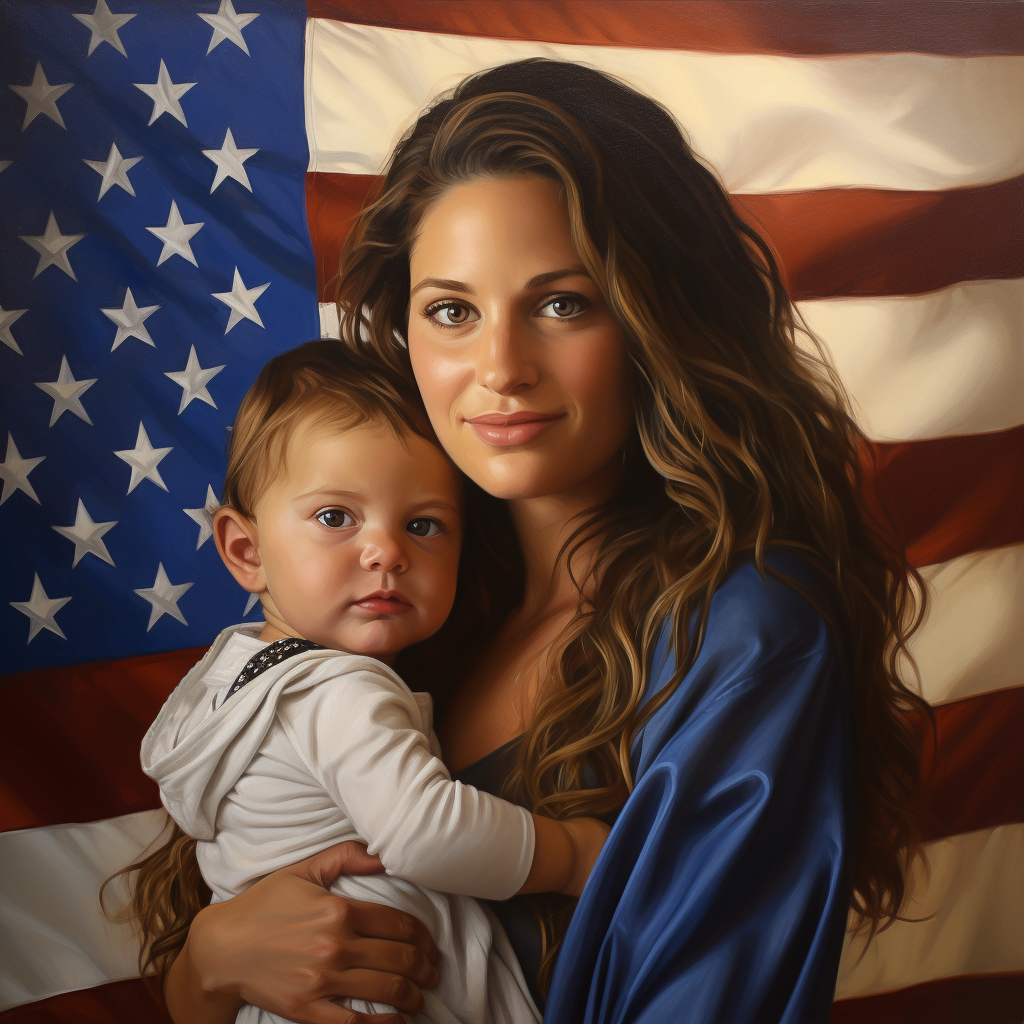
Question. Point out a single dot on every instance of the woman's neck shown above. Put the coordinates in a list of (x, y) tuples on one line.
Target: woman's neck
[(543, 525)]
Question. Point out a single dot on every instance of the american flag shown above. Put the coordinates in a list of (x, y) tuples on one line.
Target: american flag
[(175, 183)]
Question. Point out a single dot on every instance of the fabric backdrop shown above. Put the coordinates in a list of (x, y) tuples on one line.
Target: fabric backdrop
[(175, 180)]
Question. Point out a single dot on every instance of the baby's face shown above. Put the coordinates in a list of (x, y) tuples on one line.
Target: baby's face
[(359, 538)]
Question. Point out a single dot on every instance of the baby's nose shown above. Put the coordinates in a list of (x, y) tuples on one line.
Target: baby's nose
[(383, 553)]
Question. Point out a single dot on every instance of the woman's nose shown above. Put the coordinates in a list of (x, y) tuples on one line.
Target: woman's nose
[(504, 362), (382, 552)]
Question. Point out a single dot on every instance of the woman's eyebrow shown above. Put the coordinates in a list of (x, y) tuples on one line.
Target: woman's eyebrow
[(444, 283), (460, 286)]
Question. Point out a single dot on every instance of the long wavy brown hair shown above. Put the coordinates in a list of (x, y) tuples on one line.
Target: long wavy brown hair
[(742, 441)]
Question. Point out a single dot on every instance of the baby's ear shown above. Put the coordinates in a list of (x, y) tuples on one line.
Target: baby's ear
[(236, 540)]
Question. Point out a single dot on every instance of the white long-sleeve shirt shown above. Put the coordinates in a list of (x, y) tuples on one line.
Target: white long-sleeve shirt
[(325, 747)]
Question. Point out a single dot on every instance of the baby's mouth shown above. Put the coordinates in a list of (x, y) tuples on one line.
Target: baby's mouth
[(383, 602)]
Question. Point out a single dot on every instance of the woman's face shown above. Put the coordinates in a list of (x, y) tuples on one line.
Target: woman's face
[(521, 366)]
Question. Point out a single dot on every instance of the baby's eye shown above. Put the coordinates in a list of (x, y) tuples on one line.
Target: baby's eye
[(564, 306), (424, 527), (450, 314), (335, 518)]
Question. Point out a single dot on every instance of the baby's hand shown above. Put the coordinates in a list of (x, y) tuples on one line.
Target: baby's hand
[(588, 836)]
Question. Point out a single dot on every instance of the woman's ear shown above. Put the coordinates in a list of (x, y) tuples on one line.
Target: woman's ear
[(237, 542)]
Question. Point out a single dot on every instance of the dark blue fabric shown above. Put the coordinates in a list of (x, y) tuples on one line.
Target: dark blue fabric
[(721, 895)]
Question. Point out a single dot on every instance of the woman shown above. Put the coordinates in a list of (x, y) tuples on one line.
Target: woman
[(690, 630)]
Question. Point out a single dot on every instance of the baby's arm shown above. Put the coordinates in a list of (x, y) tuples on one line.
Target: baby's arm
[(564, 853), (359, 735)]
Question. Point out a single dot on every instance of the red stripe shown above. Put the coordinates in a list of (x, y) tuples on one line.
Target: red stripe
[(973, 778), (332, 201), (74, 755), (949, 496), (755, 26), (121, 1002), (830, 242), (969, 999), (863, 241)]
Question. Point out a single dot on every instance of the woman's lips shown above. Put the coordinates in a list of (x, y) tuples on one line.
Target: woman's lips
[(508, 430)]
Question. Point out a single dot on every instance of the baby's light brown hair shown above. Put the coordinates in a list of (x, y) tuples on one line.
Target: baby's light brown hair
[(324, 383)]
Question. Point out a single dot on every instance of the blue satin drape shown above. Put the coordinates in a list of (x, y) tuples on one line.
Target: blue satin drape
[(721, 896)]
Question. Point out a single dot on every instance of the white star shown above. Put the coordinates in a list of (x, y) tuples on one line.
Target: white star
[(114, 170), (41, 610), (193, 380), (66, 393), (7, 317), (241, 301), (204, 516), (143, 459), (175, 235), (87, 536), (165, 95), (14, 471), (130, 320), (229, 160), (53, 247), (41, 98), (164, 597), (104, 26), (253, 598), (4, 164), (228, 25)]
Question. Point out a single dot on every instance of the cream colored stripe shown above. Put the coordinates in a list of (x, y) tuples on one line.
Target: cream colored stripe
[(950, 362), (972, 639), (765, 123), (970, 918), (53, 936)]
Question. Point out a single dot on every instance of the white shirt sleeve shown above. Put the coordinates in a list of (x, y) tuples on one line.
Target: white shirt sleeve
[(360, 736)]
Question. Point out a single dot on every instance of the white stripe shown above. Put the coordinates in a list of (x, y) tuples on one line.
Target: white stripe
[(973, 911), (972, 639), (766, 123), (949, 362), (330, 327), (53, 936)]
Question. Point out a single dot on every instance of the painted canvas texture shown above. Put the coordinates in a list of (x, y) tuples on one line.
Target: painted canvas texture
[(175, 185)]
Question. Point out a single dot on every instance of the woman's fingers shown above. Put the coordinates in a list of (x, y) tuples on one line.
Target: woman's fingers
[(326, 1011), (395, 958), (375, 921), (325, 866), (378, 987)]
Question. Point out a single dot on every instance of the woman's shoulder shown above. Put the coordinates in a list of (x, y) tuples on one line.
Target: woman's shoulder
[(768, 653), (757, 619)]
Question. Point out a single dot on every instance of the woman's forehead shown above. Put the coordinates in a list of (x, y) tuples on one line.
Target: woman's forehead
[(492, 222)]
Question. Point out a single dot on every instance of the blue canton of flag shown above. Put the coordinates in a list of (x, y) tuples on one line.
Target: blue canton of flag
[(155, 254)]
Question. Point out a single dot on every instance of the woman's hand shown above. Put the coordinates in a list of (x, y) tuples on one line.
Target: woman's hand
[(290, 947)]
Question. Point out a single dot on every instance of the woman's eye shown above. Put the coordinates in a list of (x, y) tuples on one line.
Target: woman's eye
[(334, 518), (449, 314), (564, 306), (424, 527)]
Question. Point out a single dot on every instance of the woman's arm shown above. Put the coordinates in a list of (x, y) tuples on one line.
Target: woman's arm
[(288, 946), (722, 894)]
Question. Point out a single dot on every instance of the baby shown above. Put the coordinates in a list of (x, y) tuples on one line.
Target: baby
[(295, 734)]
